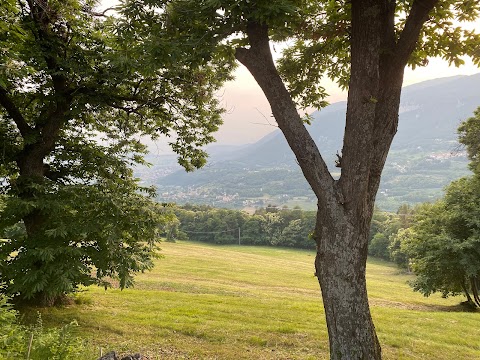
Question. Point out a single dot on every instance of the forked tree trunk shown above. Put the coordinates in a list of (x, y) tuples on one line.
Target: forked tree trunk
[(345, 206), (342, 229)]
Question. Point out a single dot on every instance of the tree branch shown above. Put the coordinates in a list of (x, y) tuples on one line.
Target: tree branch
[(392, 69), (258, 60), (415, 21), (101, 14), (14, 113), (368, 17)]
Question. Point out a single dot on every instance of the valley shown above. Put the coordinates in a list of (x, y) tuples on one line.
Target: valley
[(424, 157)]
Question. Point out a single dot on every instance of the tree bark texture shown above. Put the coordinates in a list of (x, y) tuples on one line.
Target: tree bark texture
[(340, 268), (345, 206)]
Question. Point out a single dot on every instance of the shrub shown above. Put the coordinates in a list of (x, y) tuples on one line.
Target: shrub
[(379, 246), (37, 342)]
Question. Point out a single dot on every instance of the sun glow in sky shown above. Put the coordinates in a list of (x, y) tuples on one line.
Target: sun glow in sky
[(248, 115)]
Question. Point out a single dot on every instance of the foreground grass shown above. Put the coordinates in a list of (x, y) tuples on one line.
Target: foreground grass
[(230, 302)]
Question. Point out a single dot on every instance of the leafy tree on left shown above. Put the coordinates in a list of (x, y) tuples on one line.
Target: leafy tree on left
[(78, 90)]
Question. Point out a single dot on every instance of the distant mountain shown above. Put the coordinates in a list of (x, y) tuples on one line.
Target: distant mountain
[(424, 156), (430, 113)]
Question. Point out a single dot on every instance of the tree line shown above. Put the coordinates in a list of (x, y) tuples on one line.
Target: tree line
[(270, 226), (281, 226)]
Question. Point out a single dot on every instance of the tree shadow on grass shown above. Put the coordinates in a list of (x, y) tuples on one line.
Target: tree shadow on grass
[(461, 307)]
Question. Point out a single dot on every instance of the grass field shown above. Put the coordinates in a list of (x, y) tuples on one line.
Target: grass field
[(231, 302)]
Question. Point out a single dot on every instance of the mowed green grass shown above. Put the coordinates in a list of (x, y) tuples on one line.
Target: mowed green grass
[(235, 302)]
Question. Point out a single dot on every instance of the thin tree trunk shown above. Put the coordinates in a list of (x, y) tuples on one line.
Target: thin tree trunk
[(473, 282), (467, 295)]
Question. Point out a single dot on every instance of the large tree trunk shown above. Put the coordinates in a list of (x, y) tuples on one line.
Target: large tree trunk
[(342, 239), (342, 228), (31, 166), (340, 267), (345, 206), (343, 216), (31, 185)]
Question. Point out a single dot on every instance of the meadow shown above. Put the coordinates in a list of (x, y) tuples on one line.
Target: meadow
[(239, 302)]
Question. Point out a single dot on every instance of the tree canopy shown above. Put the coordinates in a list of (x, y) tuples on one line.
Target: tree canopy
[(469, 136), (318, 35), (78, 92)]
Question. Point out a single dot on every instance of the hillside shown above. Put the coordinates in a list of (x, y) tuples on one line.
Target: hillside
[(231, 302), (424, 157)]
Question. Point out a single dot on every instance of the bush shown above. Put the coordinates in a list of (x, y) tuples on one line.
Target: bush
[(379, 246), (36, 342)]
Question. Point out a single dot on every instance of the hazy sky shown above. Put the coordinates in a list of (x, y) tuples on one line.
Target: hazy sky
[(248, 116), (248, 112)]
